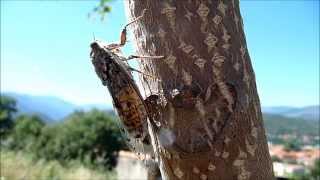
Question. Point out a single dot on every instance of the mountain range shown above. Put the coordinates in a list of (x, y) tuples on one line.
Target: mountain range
[(55, 109), (50, 108), (307, 113)]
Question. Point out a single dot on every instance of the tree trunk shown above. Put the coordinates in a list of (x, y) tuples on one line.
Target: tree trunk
[(208, 115)]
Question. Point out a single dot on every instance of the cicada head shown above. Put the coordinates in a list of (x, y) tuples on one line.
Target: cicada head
[(101, 58)]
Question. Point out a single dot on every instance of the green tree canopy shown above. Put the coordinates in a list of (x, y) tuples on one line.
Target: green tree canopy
[(292, 145), (27, 129), (89, 136), (7, 110)]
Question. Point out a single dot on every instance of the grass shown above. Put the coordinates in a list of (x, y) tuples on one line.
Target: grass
[(18, 166)]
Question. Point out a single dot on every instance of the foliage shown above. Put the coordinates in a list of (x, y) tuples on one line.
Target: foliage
[(20, 165), (315, 171), (300, 177), (7, 110), (292, 145), (314, 174), (277, 127), (92, 137), (275, 159), (27, 129), (102, 8)]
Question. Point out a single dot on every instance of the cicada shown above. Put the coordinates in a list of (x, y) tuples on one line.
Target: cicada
[(127, 100), (115, 73)]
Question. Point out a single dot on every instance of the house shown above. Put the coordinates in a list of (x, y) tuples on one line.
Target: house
[(285, 170)]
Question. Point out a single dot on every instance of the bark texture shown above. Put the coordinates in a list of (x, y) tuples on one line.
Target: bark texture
[(209, 120)]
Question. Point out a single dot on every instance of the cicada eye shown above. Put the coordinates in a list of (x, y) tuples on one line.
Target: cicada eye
[(94, 45)]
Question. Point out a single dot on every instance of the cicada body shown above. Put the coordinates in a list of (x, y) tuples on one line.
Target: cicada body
[(127, 100)]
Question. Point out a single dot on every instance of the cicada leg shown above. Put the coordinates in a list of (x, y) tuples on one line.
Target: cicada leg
[(123, 35), (143, 57)]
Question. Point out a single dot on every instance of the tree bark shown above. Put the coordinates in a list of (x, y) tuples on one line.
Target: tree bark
[(209, 117)]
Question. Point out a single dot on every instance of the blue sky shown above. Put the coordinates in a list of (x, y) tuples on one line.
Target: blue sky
[(45, 49)]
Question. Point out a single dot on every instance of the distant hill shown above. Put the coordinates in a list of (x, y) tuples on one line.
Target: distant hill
[(307, 113), (55, 109), (276, 124), (48, 107), (279, 127)]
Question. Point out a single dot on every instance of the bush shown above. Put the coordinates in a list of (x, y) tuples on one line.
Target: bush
[(26, 131), (315, 171), (292, 145), (7, 110), (276, 159), (92, 137)]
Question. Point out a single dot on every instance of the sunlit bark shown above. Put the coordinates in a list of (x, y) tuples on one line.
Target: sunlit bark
[(209, 111)]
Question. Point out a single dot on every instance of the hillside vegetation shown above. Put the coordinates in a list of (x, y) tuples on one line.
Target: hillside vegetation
[(20, 165), (280, 129), (84, 143)]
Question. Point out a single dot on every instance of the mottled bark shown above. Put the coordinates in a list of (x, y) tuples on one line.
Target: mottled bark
[(209, 115)]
